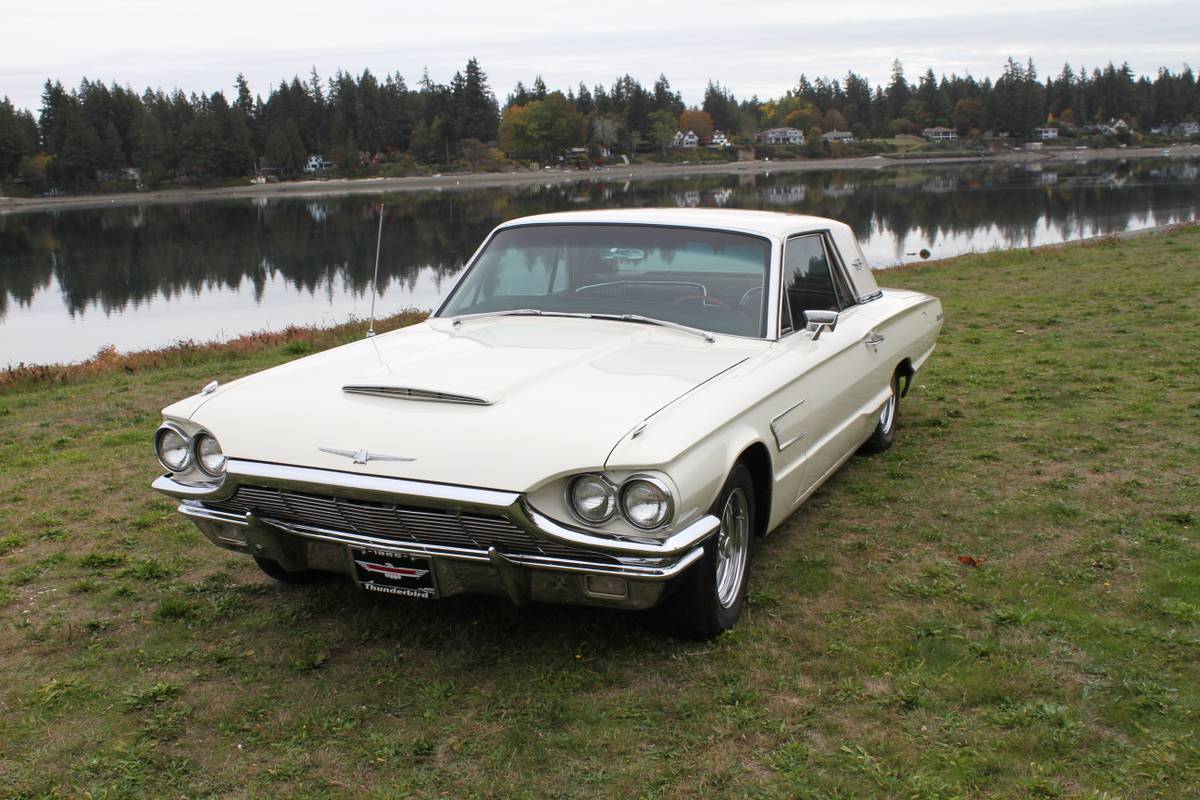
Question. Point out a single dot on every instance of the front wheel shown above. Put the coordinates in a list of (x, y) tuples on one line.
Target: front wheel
[(711, 594)]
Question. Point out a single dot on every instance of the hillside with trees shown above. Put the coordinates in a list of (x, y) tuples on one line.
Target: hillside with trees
[(111, 137)]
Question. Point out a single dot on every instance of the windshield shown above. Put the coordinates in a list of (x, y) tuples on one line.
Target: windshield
[(711, 280)]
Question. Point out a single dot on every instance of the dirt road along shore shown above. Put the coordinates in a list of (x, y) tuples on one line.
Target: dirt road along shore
[(315, 188)]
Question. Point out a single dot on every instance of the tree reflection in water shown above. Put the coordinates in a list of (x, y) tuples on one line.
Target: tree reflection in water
[(118, 260)]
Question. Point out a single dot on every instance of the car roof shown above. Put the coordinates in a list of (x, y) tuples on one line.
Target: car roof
[(765, 223)]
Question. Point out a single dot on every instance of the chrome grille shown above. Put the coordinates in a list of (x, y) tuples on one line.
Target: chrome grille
[(394, 521)]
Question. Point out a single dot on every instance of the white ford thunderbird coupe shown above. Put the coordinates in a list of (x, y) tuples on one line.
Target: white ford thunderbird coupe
[(608, 408)]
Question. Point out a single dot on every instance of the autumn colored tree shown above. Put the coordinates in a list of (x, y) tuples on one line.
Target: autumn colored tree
[(543, 129), (802, 118), (699, 122)]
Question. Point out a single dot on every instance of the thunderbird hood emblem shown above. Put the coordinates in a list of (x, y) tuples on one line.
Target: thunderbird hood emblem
[(362, 456)]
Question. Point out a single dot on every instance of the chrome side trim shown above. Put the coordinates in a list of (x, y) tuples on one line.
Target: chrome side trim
[(778, 432), (437, 495)]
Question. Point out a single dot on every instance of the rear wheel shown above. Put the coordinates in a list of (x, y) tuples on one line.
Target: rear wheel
[(276, 571), (711, 594), (885, 428)]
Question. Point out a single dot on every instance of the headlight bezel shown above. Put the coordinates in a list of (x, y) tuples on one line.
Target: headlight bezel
[(189, 455), (198, 458), (617, 513), (659, 484)]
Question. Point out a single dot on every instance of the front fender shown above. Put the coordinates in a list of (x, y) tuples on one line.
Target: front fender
[(698, 470)]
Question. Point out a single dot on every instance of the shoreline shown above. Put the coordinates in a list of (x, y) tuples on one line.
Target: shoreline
[(110, 359), (485, 180)]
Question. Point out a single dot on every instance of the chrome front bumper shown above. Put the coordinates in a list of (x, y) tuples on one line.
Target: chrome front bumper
[(644, 564)]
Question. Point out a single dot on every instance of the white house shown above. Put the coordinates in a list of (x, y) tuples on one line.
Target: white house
[(689, 139), (793, 136), (1045, 133), (840, 137), (940, 134), (719, 139), (316, 163), (1189, 128)]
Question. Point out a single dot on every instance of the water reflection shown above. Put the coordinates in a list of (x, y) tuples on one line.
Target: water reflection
[(72, 281)]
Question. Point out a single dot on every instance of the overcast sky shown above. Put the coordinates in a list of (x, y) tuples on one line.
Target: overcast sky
[(758, 47)]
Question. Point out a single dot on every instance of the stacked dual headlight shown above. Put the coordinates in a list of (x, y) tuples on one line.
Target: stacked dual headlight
[(643, 500), (179, 452)]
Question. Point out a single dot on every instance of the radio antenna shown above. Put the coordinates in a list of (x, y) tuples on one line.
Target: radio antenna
[(375, 278)]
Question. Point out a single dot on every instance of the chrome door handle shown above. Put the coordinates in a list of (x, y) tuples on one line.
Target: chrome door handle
[(873, 339)]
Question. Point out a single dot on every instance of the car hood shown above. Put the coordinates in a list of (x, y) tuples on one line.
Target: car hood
[(538, 397)]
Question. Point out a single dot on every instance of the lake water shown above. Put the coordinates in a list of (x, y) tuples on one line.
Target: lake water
[(73, 281)]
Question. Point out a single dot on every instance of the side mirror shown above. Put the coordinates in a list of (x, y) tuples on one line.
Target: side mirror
[(820, 321)]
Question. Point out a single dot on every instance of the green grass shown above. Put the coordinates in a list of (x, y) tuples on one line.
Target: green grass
[(1054, 437)]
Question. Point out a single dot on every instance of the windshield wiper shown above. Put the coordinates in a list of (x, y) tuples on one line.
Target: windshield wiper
[(708, 337), (537, 312), (510, 312)]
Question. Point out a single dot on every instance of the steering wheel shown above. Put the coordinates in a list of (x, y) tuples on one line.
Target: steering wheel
[(703, 298)]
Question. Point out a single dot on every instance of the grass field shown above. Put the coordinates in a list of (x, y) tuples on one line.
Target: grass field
[(1052, 442)]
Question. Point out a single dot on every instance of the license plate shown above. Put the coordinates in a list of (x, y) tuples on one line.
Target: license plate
[(393, 573)]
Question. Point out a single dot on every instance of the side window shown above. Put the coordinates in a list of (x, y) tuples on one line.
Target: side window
[(809, 281)]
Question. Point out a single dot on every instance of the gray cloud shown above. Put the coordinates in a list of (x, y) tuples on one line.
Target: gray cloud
[(753, 49)]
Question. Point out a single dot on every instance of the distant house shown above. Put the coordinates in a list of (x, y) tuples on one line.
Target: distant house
[(1045, 133), (793, 136), (940, 134), (689, 139), (840, 137), (1118, 125), (1189, 128), (719, 139), (316, 163)]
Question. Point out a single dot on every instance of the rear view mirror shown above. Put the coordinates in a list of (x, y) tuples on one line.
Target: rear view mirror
[(820, 321), (633, 254)]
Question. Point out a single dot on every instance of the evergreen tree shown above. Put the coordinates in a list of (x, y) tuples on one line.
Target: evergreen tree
[(18, 138), (478, 105), (898, 92)]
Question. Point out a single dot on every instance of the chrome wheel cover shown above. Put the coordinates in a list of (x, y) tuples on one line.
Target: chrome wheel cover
[(733, 548), (888, 415)]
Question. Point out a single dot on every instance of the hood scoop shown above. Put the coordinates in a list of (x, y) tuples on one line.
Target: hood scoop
[(412, 393)]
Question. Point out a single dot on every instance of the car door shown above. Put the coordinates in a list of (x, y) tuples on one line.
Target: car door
[(842, 364)]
